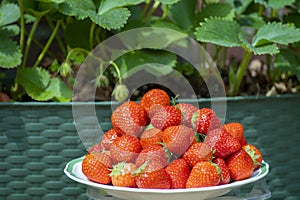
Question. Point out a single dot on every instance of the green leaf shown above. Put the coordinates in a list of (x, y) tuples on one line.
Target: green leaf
[(286, 61), (168, 1), (29, 18), (276, 4), (78, 8), (220, 32), (223, 10), (183, 13), (10, 54), (9, 31), (251, 20), (81, 38), (39, 86), (240, 6), (53, 1), (9, 13), (211, 1), (107, 5), (276, 33), (112, 19)]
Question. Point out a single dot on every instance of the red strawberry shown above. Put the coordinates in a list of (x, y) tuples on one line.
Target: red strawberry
[(158, 179), (240, 165), (150, 137), (154, 109), (187, 111), (205, 120), (154, 97), (204, 174), (198, 152), (225, 173), (222, 143), (96, 148), (129, 118), (96, 167), (108, 138), (255, 154), (178, 138), (125, 149), (122, 175), (236, 130), (154, 156), (166, 117), (179, 172)]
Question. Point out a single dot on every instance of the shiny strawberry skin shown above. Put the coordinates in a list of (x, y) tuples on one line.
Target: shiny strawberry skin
[(178, 138), (96, 148), (108, 138), (205, 120), (158, 179), (166, 117), (222, 143), (125, 149), (122, 175), (154, 97), (255, 154), (179, 172), (240, 165), (96, 167), (152, 136), (204, 174), (198, 152), (225, 173), (236, 129), (129, 118), (187, 111)]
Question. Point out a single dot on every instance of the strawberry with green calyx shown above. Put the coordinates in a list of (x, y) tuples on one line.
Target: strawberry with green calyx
[(179, 172), (151, 136), (255, 154), (178, 138), (225, 173), (125, 149), (154, 97), (96, 167), (222, 143), (108, 138), (205, 120), (154, 155), (187, 111), (166, 117), (204, 174), (240, 165), (236, 129), (129, 118), (123, 175), (198, 152)]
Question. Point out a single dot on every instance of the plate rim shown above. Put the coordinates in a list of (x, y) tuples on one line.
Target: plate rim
[(68, 170)]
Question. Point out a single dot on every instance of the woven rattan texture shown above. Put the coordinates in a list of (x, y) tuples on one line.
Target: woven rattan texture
[(37, 140)]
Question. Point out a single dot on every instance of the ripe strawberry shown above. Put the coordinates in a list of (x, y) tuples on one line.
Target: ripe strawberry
[(179, 172), (236, 130), (108, 138), (166, 117), (122, 175), (187, 111), (154, 156), (129, 118), (222, 143), (178, 138), (125, 149), (154, 97), (205, 120), (96, 167), (225, 173), (198, 152), (240, 165), (158, 179), (150, 137), (204, 174), (255, 154), (96, 148)]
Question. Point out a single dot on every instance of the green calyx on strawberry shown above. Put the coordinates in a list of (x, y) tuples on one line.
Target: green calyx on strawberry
[(123, 174)]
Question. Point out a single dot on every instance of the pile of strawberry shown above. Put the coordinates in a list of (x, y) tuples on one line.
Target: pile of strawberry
[(157, 145)]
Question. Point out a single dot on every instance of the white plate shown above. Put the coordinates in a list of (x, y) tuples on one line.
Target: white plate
[(73, 170)]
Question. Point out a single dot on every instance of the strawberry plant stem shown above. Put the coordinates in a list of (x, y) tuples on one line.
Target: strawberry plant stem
[(117, 70), (49, 42), (22, 25), (151, 11), (240, 73), (58, 39), (92, 30)]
